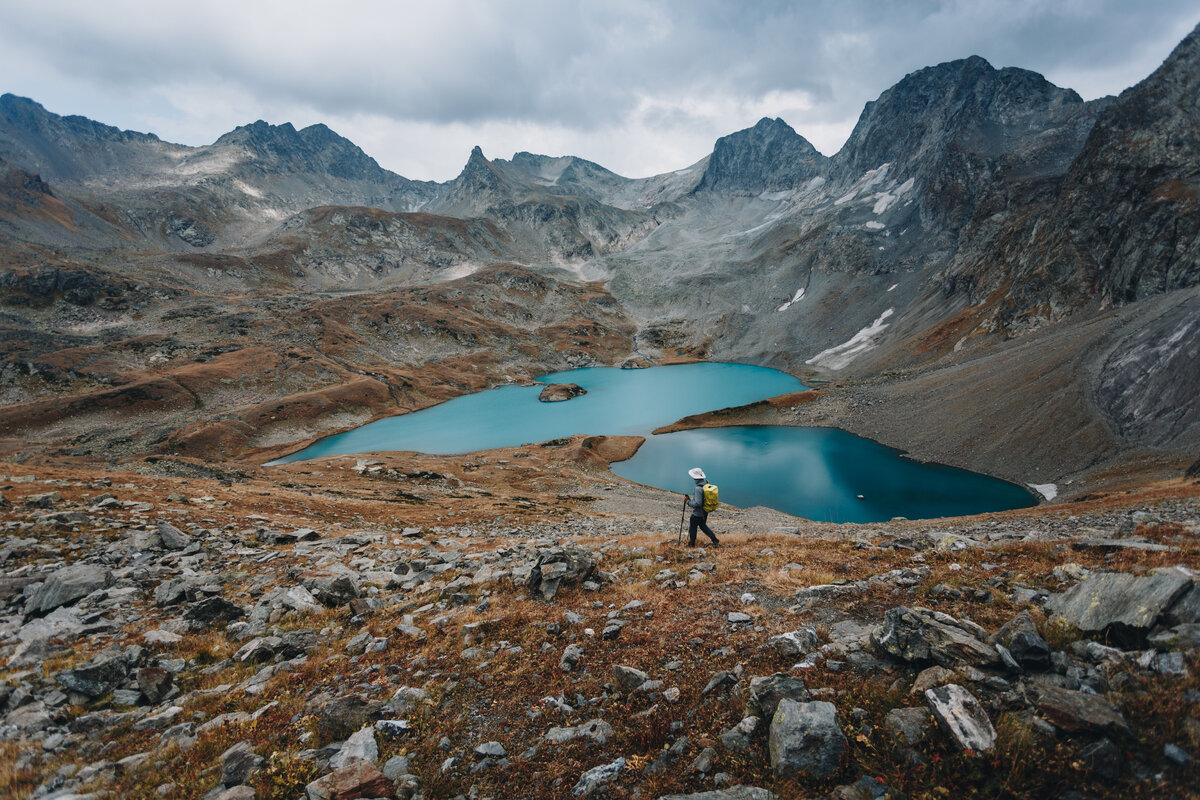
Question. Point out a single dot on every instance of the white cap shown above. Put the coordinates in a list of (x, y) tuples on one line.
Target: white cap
[(697, 473)]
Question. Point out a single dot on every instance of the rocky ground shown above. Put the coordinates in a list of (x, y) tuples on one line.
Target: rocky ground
[(520, 623)]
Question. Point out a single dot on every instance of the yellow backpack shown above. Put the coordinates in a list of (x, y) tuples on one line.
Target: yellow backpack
[(710, 498)]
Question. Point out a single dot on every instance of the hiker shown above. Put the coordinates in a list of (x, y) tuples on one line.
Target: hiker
[(696, 502)]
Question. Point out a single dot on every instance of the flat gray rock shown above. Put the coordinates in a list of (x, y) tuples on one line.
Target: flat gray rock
[(66, 586), (1125, 606)]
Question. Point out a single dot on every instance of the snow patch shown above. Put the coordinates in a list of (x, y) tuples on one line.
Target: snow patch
[(887, 198), (874, 226), (840, 356), (796, 298), (1046, 490), (893, 286), (246, 188), (846, 198)]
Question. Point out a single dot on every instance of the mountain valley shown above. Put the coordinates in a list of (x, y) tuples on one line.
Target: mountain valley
[(992, 273)]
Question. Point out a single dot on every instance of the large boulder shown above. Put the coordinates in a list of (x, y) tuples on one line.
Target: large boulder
[(805, 738), (67, 585), (919, 635), (961, 716), (1117, 605), (558, 566)]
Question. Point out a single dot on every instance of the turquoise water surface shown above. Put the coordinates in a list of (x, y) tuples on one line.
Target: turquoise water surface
[(816, 473), (618, 402)]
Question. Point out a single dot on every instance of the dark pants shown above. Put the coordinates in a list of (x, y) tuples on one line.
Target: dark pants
[(702, 524)]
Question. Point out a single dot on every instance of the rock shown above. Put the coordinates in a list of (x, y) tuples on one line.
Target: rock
[(161, 637), (393, 728), (667, 758), (795, 644), (909, 725), (1185, 610), (717, 681), (920, 635), (407, 700), (766, 692), (732, 793), (1022, 640), (739, 618), (211, 611), (1176, 754), (1122, 606), (737, 738), (67, 585), (805, 738), (239, 763), (359, 779), (558, 392), (343, 716), (704, 762), (959, 714), (97, 677), (155, 684), (171, 537), (1074, 712), (331, 590), (395, 767), (490, 750), (931, 677), (591, 780), (158, 721), (361, 746), (570, 657), (597, 730), (565, 565), (232, 793), (1102, 759), (43, 500), (628, 677)]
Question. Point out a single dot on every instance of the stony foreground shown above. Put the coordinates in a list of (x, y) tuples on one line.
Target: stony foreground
[(199, 638)]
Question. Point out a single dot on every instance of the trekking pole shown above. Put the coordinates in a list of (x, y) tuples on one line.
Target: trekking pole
[(679, 539)]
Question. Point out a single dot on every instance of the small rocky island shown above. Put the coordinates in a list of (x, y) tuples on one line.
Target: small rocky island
[(557, 392)]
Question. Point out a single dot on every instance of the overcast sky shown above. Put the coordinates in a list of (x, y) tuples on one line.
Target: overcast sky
[(639, 86)]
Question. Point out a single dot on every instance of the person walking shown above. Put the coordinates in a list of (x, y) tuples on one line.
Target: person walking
[(695, 501)]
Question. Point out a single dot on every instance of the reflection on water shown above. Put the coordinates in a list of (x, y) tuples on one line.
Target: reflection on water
[(817, 473)]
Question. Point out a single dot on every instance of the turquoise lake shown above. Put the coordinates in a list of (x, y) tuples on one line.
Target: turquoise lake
[(816, 473), (821, 474), (618, 402)]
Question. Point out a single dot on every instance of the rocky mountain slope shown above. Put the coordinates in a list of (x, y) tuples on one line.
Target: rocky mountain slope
[(520, 624), (977, 222)]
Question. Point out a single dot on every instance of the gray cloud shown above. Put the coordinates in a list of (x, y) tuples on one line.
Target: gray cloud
[(627, 83)]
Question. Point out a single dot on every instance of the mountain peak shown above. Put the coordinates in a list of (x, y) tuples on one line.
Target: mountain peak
[(767, 157), (932, 106)]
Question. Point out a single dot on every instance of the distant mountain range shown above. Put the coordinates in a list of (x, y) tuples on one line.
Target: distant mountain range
[(980, 227)]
